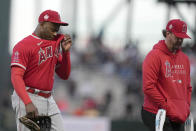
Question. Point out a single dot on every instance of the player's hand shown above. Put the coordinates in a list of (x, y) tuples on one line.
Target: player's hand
[(31, 110), (66, 43)]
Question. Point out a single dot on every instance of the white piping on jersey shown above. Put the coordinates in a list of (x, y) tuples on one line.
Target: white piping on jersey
[(39, 43), (35, 37), (18, 65)]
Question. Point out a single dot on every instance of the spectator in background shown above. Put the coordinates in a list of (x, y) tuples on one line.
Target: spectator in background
[(106, 102)]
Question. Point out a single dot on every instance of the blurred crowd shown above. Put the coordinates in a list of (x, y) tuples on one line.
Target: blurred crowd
[(103, 82)]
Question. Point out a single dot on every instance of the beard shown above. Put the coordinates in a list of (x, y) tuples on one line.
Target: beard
[(177, 45)]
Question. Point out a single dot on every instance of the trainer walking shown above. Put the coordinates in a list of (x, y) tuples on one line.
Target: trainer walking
[(166, 80)]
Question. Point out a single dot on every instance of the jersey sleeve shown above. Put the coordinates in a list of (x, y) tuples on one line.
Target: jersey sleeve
[(20, 56), (63, 67), (17, 74)]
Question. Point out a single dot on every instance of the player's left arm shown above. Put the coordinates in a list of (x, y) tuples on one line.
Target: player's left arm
[(189, 87), (189, 124), (63, 68)]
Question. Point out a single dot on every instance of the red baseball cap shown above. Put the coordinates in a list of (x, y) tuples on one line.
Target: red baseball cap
[(51, 16), (178, 28)]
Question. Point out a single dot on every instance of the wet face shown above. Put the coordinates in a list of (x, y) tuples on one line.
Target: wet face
[(175, 42), (49, 30)]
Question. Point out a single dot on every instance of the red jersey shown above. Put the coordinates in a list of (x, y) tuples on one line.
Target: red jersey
[(166, 82), (38, 57)]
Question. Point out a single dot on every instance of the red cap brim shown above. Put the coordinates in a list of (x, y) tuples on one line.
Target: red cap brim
[(61, 23), (182, 35)]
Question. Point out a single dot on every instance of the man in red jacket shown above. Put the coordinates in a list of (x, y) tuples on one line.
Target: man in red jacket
[(34, 61), (166, 80)]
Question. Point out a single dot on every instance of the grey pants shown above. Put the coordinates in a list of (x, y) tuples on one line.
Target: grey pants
[(45, 106)]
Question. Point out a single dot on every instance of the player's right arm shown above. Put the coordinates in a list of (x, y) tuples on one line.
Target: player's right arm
[(151, 68), (17, 74), (19, 63), (19, 86)]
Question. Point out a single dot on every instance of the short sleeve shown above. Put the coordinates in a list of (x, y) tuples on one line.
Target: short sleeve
[(20, 56)]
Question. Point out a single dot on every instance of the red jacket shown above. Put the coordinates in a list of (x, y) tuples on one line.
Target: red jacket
[(166, 82)]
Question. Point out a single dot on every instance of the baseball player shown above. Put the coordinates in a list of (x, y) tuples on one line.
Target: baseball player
[(33, 63), (166, 81)]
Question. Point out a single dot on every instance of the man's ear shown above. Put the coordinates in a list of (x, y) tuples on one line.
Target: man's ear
[(167, 33)]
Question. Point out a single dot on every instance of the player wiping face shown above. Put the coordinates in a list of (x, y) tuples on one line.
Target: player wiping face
[(47, 30), (32, 81)]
